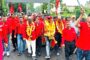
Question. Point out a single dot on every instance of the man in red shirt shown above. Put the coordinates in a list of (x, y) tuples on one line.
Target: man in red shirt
[(68, 39), (39, 33), (20, 42), (30, 37), (12, 23), (83, 42)]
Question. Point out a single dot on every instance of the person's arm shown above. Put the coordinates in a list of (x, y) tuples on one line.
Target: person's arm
[(24, 32), (79, 19), (63, 39)]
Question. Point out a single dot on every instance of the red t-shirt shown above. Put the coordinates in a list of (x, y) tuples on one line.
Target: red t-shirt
[(20, 28), (68, 35), (9, 23), (83, 41), (5, 32), (1, 33), (12, 23), (39, 28)]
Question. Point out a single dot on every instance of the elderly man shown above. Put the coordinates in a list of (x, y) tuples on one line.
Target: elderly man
[(30, 37)]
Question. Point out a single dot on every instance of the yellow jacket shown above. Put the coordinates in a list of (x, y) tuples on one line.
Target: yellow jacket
[(49, 29)]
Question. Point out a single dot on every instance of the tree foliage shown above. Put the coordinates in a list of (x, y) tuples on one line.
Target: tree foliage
[(44, 7)]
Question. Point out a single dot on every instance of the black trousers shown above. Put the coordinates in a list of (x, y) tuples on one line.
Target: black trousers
[(38, 44), (58, 38), (69, 48), (14, 40)]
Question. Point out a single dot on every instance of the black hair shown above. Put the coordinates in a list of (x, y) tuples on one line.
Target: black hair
[(23, 13), (67, 18), (54, 17)]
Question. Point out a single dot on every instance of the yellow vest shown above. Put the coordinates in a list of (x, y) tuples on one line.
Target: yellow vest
[(49, 29)]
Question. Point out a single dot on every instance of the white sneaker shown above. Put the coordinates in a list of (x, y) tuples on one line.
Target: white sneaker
[(47, 57), (8, 54), (58, 54)]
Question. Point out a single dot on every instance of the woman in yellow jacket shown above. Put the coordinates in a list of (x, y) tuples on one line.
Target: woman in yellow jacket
[(49, 31)]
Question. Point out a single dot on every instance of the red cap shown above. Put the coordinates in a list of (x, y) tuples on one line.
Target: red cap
[(49, 17)]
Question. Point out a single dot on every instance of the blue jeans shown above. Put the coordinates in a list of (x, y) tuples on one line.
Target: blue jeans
[(21, 44), (83, 53), (7, 49), (24, 45), (47, 46)]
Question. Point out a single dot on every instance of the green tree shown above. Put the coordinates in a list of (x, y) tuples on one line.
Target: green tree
[(31, 7), (44, 7), (77, 11), (0, 7), (65, 11), (87, 11), (4, 6)]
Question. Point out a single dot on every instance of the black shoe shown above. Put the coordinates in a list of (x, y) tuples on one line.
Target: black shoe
[(47, 58), (29, 54), (14, 50), (39, 54), (19, 54), (34, 58)]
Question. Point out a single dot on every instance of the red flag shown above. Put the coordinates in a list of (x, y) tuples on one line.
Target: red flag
[(11, 9), (53, 43), (57, 4), (43, 40), (19, 7)]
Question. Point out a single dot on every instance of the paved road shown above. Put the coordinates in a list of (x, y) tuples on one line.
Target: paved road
[(14, 56)]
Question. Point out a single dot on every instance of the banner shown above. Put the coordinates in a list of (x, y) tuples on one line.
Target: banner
[(11, 10), (57, 5), (19, 7)]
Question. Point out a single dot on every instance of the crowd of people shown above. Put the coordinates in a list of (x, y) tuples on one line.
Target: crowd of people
[(29, 32)]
